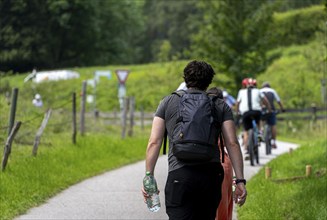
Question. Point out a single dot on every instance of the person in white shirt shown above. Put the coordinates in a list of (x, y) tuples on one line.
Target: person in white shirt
[(272, 96), (182, 86), (248, 104), (229, 99), (37, 101)]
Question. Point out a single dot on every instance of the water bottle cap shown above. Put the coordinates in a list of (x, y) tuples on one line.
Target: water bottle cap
[(148, 173)]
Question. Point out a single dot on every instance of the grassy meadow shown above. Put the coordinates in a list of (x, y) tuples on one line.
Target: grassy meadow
[(28, 181)]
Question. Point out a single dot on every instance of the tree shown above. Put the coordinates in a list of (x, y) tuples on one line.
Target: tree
[(121, 28), (234, 37), (172, 21), (54, 34), (286, 5), (45, 34)]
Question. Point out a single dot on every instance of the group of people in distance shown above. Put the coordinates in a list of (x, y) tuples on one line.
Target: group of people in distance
[(204, 190), (252, 102), (263, 103)]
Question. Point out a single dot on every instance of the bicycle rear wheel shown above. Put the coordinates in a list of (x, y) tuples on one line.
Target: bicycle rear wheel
[(256, 152), (251, 146), (268, 139)]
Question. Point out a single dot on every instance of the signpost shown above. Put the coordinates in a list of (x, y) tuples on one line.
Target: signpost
[(123, 101), (93, 83), (122, 77)]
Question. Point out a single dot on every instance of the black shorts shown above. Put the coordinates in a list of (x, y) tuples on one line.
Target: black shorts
[(194, 192), (247, 119)]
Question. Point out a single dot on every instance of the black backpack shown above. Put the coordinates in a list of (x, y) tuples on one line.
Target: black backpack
[(198, 127)]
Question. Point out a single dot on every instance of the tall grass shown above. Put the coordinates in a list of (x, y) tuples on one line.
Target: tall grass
[(29, 181)]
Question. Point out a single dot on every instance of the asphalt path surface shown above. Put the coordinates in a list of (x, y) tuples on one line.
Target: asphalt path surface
[(117, 194)]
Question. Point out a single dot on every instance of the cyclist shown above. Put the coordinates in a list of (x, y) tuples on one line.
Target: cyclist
[(272, 96), (248, 104), (230, 100)]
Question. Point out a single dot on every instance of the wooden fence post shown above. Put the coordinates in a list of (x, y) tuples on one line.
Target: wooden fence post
[(40, 131), (82, 128), (115, 117), (268, 172), (12, 109), (7, 149), (308, 170), (74, 117), (142, 118), (314, 112)]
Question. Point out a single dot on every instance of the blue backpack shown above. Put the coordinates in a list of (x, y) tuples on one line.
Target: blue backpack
[(198, 127)]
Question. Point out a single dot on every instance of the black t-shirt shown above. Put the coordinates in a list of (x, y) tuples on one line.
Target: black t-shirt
[(168, 109)]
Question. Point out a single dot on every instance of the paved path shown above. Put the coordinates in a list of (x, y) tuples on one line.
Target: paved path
[(117, 194)]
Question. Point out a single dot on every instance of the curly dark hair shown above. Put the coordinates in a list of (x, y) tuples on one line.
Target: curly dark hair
[(198, 74)]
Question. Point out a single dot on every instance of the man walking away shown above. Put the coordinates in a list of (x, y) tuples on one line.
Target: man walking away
[(193, 189)]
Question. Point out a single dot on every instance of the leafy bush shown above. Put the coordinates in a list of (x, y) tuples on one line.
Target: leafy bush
[(296, 26), (297, 75)]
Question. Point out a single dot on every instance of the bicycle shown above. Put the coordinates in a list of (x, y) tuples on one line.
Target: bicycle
[(268, 132), (253, 143)]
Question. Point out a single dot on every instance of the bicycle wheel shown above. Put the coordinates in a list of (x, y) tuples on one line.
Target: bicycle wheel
[(251, 146), (256, 152), (268, 139)]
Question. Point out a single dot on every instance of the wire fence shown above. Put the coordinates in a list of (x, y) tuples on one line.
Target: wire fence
[(63, 118)]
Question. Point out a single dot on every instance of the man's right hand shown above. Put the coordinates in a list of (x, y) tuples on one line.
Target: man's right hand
[(240, 194)]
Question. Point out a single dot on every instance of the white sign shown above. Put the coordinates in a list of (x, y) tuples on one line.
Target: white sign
[(89, 99), (122, 75), (99, 73), (91, 82)]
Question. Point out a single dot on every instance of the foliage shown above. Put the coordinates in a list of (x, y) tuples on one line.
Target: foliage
[(286, 5), (49, 34), (164, 53), (297, 26), (169, 21), (304, 65), (45, 33), (301, 199), (234, 37)]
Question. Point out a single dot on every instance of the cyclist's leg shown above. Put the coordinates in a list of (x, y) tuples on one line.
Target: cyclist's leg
[(247, 124), (257, 118), (261, 125)]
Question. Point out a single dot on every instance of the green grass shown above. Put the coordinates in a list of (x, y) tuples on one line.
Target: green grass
[(300, 132), (301, 199), (29, 181)]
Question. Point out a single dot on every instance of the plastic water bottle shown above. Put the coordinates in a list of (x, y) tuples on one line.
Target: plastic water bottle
[(150, 186), (234, 184)]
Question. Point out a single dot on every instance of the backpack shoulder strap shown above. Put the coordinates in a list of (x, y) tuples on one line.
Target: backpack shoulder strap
[(249, 91), (214, 98), (165, 143), (179, 93)]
